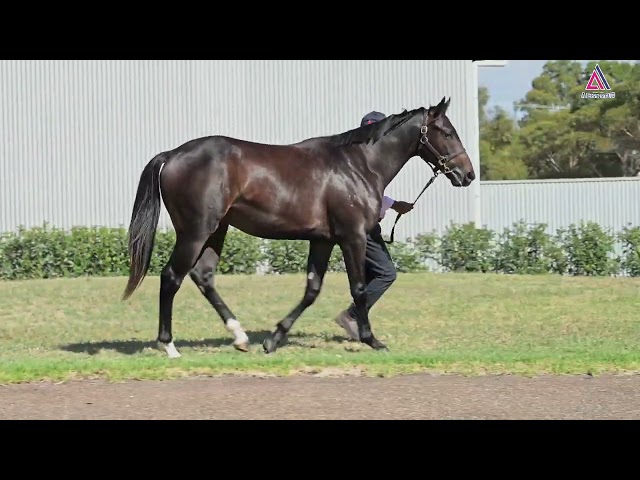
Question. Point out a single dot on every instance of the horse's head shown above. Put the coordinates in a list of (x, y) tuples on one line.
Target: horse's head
[(441, 146)]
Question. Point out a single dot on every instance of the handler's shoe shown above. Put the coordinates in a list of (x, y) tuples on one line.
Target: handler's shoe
[(349, 324)]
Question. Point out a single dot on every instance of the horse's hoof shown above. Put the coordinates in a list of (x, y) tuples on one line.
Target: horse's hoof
[(269, 345), (169, 349), (377, 345), (381, 347), (242, 347)]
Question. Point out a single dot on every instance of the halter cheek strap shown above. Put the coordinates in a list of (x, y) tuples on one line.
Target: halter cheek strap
[(442, 160)]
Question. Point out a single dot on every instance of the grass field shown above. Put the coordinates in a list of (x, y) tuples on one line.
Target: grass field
[(449, 323)]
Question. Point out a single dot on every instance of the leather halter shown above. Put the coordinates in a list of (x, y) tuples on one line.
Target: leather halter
[(442, 162)]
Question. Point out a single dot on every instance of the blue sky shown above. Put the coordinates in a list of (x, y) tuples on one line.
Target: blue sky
[(511, 82)]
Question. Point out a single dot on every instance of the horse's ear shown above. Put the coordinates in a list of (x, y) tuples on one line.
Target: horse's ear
[(446, 105), (439, 109)]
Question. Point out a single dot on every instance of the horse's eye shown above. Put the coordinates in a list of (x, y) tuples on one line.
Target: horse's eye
[(447, 136)]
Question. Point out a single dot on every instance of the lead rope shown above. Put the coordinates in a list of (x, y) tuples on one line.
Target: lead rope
[(393, 229)]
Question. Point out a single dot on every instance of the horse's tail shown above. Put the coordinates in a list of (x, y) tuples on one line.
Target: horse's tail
[(144, 221)]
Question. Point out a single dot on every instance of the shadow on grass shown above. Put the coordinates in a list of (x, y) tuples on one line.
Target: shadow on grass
[(133, 347)]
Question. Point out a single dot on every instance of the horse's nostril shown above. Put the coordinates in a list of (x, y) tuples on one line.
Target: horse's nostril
[(471, 176)]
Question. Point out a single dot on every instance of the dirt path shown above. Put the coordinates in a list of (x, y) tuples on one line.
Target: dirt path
[(308, 397)]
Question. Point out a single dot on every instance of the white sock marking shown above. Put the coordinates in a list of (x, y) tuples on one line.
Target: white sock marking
[(171, 350), (235, 328)]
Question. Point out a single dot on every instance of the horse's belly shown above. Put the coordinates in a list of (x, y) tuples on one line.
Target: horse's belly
[(267, 225)]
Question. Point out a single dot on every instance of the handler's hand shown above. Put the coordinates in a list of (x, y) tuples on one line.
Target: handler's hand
[(402, 207)]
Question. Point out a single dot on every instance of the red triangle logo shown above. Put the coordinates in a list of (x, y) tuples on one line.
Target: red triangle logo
[(594, 82)]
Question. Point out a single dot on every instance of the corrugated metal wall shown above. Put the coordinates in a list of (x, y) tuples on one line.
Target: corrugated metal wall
[(76, 134), (611, 202)]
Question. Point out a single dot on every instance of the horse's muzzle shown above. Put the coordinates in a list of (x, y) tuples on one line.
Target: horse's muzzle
[(460, 179), (468, 178)]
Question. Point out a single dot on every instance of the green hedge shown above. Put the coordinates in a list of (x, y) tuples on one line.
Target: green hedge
[(583, 249)]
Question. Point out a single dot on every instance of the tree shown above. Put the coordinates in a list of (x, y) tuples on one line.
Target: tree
[(552, 88), (561, 134), (621, 122), (499, 155), (583, 137)]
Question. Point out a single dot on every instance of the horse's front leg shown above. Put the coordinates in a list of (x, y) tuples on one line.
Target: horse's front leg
[(353, 250)]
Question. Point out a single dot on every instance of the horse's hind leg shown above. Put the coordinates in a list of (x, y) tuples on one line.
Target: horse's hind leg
[(186, 252), (203, 276), (317, 263)]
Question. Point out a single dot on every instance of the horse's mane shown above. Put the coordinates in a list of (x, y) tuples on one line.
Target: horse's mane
[(373, 132)]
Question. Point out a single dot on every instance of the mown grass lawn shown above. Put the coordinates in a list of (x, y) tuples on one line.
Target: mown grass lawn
[(448, 323)]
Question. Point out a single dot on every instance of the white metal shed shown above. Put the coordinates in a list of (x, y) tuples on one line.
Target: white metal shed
[(77, 133)]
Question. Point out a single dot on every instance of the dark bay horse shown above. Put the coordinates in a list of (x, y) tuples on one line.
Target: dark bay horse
[(327, 190)]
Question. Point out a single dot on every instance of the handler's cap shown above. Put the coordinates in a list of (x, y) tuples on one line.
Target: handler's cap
[(372, 117)]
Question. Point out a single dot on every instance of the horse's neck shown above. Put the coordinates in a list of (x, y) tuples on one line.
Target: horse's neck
[(391, 153)]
